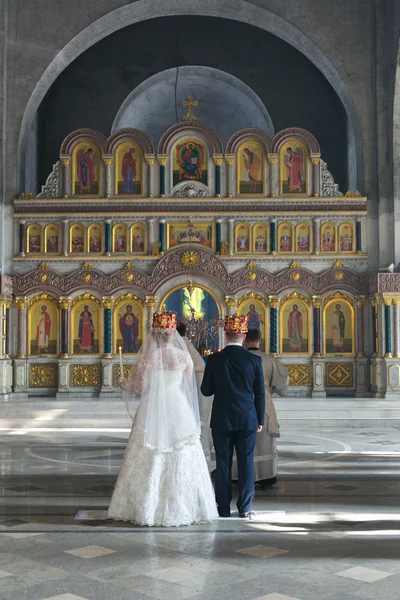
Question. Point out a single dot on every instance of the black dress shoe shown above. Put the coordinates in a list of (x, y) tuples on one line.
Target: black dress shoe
[(224, 515), (245, 515)]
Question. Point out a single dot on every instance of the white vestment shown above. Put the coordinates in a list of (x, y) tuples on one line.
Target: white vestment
[(205, 404), (276, 380)]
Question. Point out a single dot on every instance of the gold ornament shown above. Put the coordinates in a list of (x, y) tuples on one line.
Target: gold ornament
[(128, 277), (299, 375), (272, 159), (85, 375), (339, 375), (190, 116), (387, 301), (150, 159), (251, 265), (338, 276), (218, 159), (296, 296), (108, 301), (65, 160), (293, 265), (190, 259), (230, 302), (315, 160), (86, 266), (21, 303), (86, 296), (43, 266), (251, 276), (162, 160), (129, 266), (43, 376), (230, 159), (129, 372), (107, 160), (43, 277), (338, 265), (273, 301), (316, 301), (295, 276), (86, 277), (151, 301)]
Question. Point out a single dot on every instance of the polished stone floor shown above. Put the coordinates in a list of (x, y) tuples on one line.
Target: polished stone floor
[(330, 528)]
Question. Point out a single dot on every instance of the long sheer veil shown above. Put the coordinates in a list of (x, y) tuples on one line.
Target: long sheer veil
[(168, 413)]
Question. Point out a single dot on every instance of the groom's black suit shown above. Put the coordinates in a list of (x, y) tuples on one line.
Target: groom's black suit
[(235, 378)]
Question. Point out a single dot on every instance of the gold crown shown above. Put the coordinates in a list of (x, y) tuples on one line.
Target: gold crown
[(164, 320), (235, 324)]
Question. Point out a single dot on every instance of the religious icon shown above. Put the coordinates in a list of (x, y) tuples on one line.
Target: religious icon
[(43, 328), (129, 329), (294, 327), (120, 237), (128, 169), (77, 238), (303, 237), (52, 239), (190, 161), (256, 315), (86, 169), (190, 233), (242, 237), (138, 238), (293, 165), (338, 322), (345, 237), (260, 238), (285, 237), (250, 168), (328, 237), (34, 238), (128, 325), (95, 238), (85, 328)]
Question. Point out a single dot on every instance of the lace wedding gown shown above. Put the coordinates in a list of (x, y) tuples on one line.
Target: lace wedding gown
[(165, 488)]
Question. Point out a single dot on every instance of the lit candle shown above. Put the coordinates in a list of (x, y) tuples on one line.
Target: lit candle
[(120, 361)]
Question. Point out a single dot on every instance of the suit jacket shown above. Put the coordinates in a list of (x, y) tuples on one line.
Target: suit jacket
[(235, 378)]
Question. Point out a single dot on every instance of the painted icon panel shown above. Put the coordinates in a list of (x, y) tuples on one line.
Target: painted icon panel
[(285, 237), (95, 238), (128, 326), (120, 237), (86, 160), (293, 168), (294, 327), (77, 238), (43, 328), (250, 169), (303, 237), (34, 239), (256, 315), (328, 237), (52, 239), (260, 237), (190, 161), (339, 327), (128, 169), (346, 237), (138, 238), (190, 233), (85, 327), (242, 237)]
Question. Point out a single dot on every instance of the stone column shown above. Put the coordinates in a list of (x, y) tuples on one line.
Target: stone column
[(231, 236), (315, 158), (380, 326), (358, 237), (230, 161), (316, 302), (163, 235), (108, 161), (151, 302), (388, 327), (273, 325), (22, 237), (374, 328), (7, 304), (360, 303), (162, 161), (108, 302), (316, 236), (273, 174), (150, 159), (230, 302), (218, 162), (107, 237), (396, 328), (272, 236), (218, 236), (21, 305), (66, 176), (65, 237), (65, 304), (150, 235), (3, 330)]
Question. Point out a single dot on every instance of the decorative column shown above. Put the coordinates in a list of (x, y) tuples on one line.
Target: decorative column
[(163, 235), (273, 174), (388, 327), (162, 161), (374, 329), (21, 305), (231, 236), (396, 328), (65, 303), (65, 237), (218, 236), (22, 237), (272, 236), (150, 235), (151, 302), (65, 159), (360, 303), (218, 162), (316, 302), (230, 161), (108, 302), (316, 236), (273, 325), (381, 326), (230, 302), (107, 237), (108, 160), (150, 159), (3, 329), (315, 158), (7, 304), (358, 236)]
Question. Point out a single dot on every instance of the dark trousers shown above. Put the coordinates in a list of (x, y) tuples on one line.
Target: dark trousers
[(244, 443)]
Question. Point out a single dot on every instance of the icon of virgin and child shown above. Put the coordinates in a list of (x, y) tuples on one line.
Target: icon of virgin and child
[(129, 329)]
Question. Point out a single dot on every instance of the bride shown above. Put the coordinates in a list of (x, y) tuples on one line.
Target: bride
[(164, 479)]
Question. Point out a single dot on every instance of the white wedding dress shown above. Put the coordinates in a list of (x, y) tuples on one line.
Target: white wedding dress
[(164, 479)]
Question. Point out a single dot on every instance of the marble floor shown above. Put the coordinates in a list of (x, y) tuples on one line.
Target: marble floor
[(330, 528)]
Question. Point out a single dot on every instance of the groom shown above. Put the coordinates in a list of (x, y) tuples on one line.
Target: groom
[(235, 378)]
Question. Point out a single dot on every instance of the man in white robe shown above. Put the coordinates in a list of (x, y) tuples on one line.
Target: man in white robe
[(276, 380), (205, 404)]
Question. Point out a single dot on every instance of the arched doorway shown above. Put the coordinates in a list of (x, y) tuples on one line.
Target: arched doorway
[(199, 308)]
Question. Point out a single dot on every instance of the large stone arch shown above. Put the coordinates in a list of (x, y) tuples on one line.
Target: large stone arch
[(237, 10)]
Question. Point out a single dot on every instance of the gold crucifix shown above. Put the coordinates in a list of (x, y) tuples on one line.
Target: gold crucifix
[(189, 103)]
